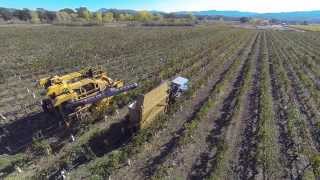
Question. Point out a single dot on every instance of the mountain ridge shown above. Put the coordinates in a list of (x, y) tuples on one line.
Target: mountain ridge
[(312, 16)]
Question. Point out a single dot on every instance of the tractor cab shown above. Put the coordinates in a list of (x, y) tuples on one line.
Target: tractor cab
[(179, 86)]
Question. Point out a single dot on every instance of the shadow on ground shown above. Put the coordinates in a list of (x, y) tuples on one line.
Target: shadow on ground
[(114, 137), (18, 135)]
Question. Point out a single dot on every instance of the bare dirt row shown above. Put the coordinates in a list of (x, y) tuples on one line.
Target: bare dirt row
[(287, 144), (210, 158)]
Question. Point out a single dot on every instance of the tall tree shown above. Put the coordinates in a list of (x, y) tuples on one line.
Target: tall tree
[(107, 17), (143, 16), (125, 17), (34, 17), (63, 17), (98, 17), (191, 17), (84, 13), (6, 14), (157, 17), (244, 19), (23, 14), (46, 16), (67, 10)]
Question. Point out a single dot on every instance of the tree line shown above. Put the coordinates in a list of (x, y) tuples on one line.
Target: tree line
[(83, 14)]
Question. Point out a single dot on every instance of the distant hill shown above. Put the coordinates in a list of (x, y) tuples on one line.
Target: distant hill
[(120, 11), (220, 13), (310, 16)]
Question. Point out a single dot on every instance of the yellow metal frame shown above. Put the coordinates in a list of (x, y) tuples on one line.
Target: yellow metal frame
[(72, 86)]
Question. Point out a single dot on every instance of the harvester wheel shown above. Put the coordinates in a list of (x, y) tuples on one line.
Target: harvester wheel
[(47, 106)]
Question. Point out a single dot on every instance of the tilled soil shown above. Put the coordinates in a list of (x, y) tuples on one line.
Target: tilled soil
[(291, 143), (247, 163), (207, 159), (300, 94), (287, 145)]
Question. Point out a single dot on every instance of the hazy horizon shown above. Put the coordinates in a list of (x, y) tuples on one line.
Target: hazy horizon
[(262, 6)]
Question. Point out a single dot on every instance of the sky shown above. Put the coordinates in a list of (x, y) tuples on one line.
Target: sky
[(261, 6)]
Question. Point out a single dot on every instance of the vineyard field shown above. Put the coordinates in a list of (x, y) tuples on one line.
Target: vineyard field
[(252, 110)]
